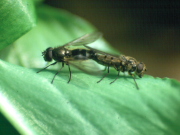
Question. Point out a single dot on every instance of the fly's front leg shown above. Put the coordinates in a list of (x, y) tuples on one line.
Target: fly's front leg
[(104, 75), (57, 72), (134, 79), (46, 67)]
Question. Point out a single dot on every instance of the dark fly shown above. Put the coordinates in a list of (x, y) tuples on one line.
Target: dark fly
[(120, 63), (76, 57)]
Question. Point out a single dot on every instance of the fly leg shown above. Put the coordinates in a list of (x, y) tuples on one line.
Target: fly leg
[(104, 75), (116, 77), (46, 67), (134, 80), (57, 72), (70, 74)]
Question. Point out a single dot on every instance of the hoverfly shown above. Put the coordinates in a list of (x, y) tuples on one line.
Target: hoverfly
[(120, 63), (76, 57)]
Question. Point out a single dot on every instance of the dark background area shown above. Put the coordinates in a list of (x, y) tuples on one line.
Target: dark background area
[(147, 30)]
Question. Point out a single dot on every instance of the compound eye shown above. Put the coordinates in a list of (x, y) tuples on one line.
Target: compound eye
[(139, 67), (48, 54)]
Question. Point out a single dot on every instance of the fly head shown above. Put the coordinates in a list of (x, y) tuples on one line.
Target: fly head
[(131, 66), (47, 54), (140, 69)]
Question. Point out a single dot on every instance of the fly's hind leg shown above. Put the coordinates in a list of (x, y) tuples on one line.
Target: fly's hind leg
[(116, 77), (118, 73), (104, 75)]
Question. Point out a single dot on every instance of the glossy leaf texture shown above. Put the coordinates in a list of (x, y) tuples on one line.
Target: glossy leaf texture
[(17, 17), (35, 106)]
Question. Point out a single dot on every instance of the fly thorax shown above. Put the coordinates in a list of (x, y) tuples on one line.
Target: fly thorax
[(123, 63), (67, 53), (131, 65), (58, 54)]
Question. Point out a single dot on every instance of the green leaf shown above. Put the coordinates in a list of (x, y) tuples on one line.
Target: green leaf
[(17, 17), (35, 106)]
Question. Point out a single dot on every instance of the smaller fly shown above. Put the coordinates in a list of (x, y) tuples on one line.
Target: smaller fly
[(76, 57), (120, 63)]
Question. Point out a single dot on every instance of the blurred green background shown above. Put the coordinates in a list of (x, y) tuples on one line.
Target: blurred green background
[(147, 30)]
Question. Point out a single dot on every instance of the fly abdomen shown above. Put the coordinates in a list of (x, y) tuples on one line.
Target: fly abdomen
[(83, 52)]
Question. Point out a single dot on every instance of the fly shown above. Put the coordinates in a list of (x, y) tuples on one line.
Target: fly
[(120, 63), (76, 57)]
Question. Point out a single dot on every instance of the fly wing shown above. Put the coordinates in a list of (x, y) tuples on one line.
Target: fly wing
[(86, 65), (86, 39), (100, 52)]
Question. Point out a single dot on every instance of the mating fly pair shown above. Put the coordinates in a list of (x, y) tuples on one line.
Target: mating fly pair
[(80, 58)]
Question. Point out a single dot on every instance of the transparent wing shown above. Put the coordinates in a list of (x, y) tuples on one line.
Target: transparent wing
[(86, 65), (100, 52), (86, 39)]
